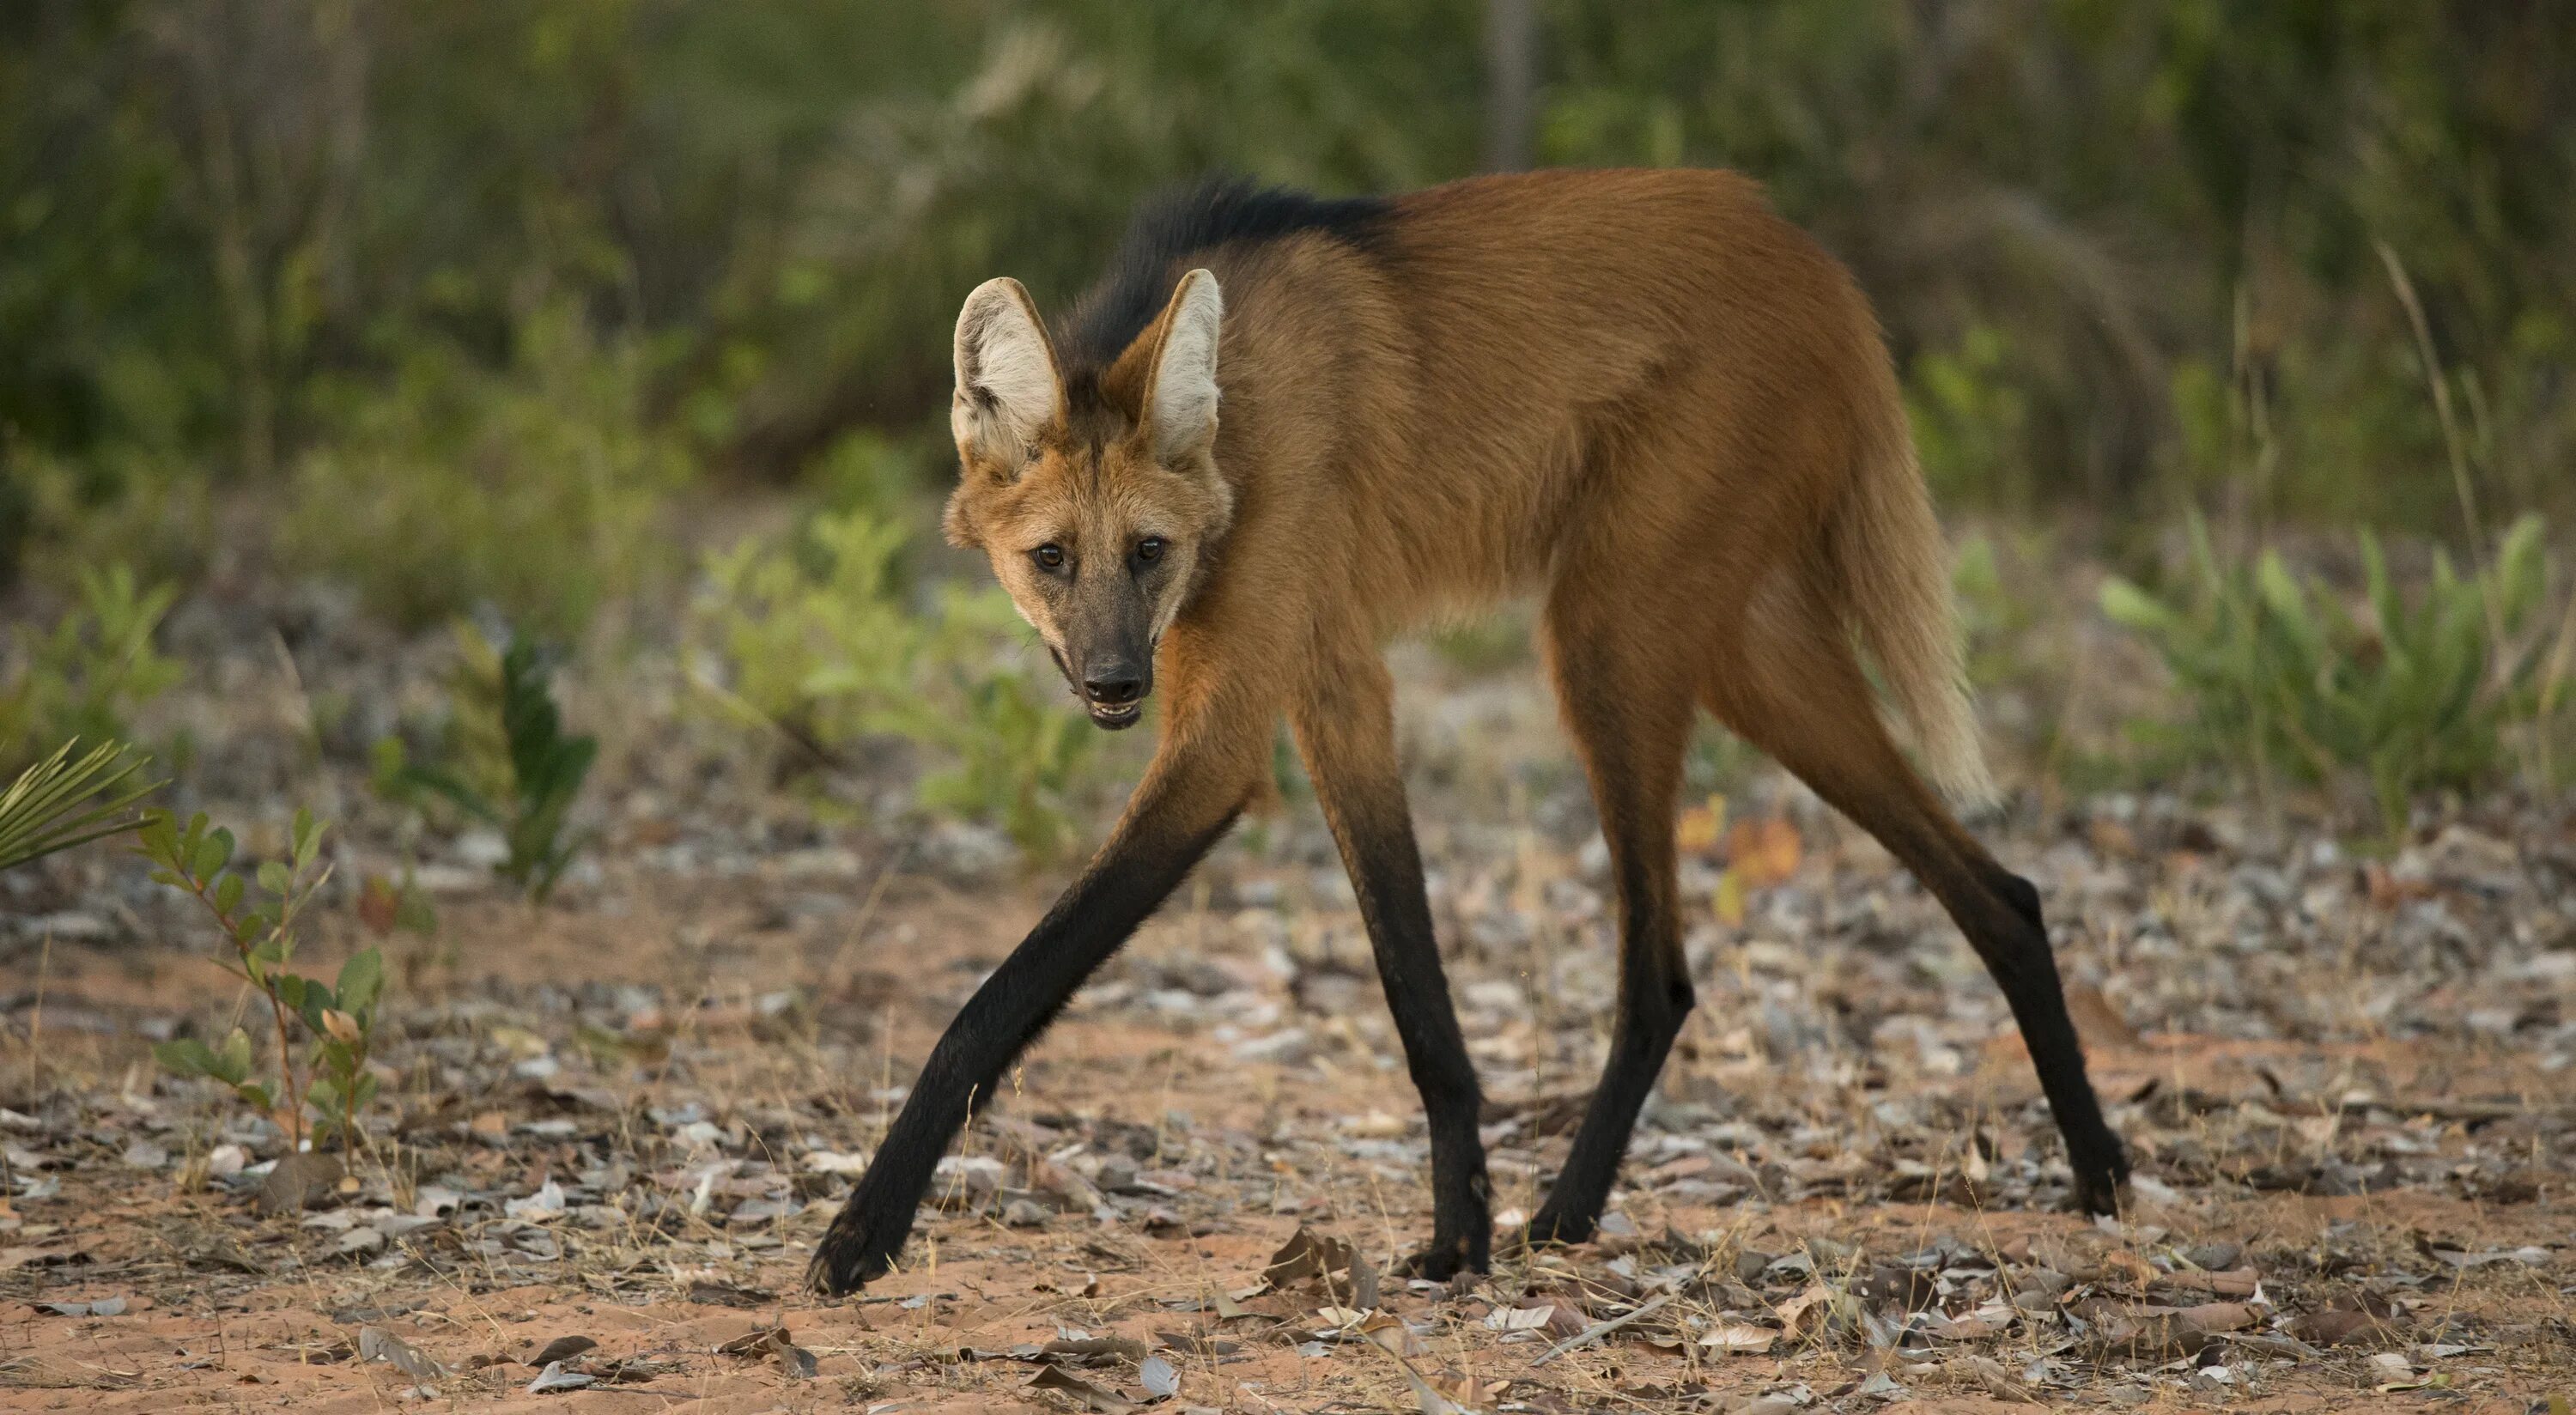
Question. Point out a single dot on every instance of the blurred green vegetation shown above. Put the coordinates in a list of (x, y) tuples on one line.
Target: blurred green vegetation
[(821, 637), (305, 242), (474, 305), (2279, 678)]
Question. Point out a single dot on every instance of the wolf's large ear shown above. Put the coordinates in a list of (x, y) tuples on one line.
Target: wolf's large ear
[(1007, 386), (1180, 397)]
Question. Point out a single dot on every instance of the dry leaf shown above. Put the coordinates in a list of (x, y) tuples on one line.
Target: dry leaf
[(1388, 1330), (1728, 900), (1763, 852), (1105, 1401), (2129, 1267), (795, 1360), (1701, 827), (1795, 1312), (1739, 1339), (2337, 1328), (1999, 1382), (1306, 1254), (554, 1377), (2219, 1316), (562, 1348), (1160, 1380), (1094, 1348), (377, 1344)]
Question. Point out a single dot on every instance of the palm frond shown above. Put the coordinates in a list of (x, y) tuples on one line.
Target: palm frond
[(61, 802)]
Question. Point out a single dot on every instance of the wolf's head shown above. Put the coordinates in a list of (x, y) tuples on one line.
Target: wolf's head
[(1097, 500)]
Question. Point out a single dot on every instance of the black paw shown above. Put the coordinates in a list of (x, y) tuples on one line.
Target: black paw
[(2101, 1185), (852, 1254), (1448, 1257)]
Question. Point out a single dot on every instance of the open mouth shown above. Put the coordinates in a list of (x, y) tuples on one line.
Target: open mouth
[(1115, 716)]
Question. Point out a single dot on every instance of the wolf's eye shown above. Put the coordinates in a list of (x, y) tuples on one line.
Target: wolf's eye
[(1150, 549), (1049, 556)]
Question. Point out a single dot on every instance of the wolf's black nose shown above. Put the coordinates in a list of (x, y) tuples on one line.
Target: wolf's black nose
[(1113, 687)]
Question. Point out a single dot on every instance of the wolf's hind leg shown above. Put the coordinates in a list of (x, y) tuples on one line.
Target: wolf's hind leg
[(1799, 695), (1630, 713)]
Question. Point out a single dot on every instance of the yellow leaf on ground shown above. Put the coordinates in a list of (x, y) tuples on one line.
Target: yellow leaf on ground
[(1764, 852)]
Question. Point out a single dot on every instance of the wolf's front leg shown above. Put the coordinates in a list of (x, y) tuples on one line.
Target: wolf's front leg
[(1187, 799), (1345, 728)]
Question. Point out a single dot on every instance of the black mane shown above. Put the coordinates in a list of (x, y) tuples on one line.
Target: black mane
[(1214, 212)]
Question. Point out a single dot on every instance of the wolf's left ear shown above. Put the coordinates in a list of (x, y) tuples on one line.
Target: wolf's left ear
[(1180, 398), (1007, 386)]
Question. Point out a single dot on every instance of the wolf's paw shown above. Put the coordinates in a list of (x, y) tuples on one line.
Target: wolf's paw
[(1445, 1258), (857, 1250), (2102, 1185)]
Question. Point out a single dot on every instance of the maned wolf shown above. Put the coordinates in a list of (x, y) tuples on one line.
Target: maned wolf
[(1283, 429)]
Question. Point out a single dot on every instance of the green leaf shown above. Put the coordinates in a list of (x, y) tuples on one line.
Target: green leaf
[(160, 844), (213, 851), (233, 1061), (361, 979), (274, 878), (228, 894), (185, 1056), (2133, 608), (308, 838)]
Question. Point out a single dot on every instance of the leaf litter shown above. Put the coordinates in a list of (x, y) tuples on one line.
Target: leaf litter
[(2339, 1073)]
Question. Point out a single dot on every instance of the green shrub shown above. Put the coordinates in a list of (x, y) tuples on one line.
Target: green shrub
[(338, 1019), (2281, 677), (1487, 643), (816, 638), (1019, 758), (1971, 418), (538, 490), (814, 635), (97, 665), (152, 512), (509, 763)]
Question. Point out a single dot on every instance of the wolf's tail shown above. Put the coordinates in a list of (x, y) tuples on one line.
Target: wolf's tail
[(1895, 573)]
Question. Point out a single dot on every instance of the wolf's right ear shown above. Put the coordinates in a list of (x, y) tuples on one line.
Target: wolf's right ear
[(1007, 386)]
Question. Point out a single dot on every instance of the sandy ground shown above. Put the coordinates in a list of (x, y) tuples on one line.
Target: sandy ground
[(614, 1126)]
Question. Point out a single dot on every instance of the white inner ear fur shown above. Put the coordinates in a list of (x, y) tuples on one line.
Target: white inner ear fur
[(1184, 399), (1007, 388)]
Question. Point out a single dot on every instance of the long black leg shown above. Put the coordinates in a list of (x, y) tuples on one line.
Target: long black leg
[(1999, 912), (1347, 736), (1633, 750), (1831, 737), (1141, 866)]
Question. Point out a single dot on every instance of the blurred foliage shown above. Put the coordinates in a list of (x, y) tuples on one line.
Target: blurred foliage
[(81, 679), (537, 491), (381, 247), (487, 294), (2281, 678), (509, 762), (818, 636), (1486, 644)]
